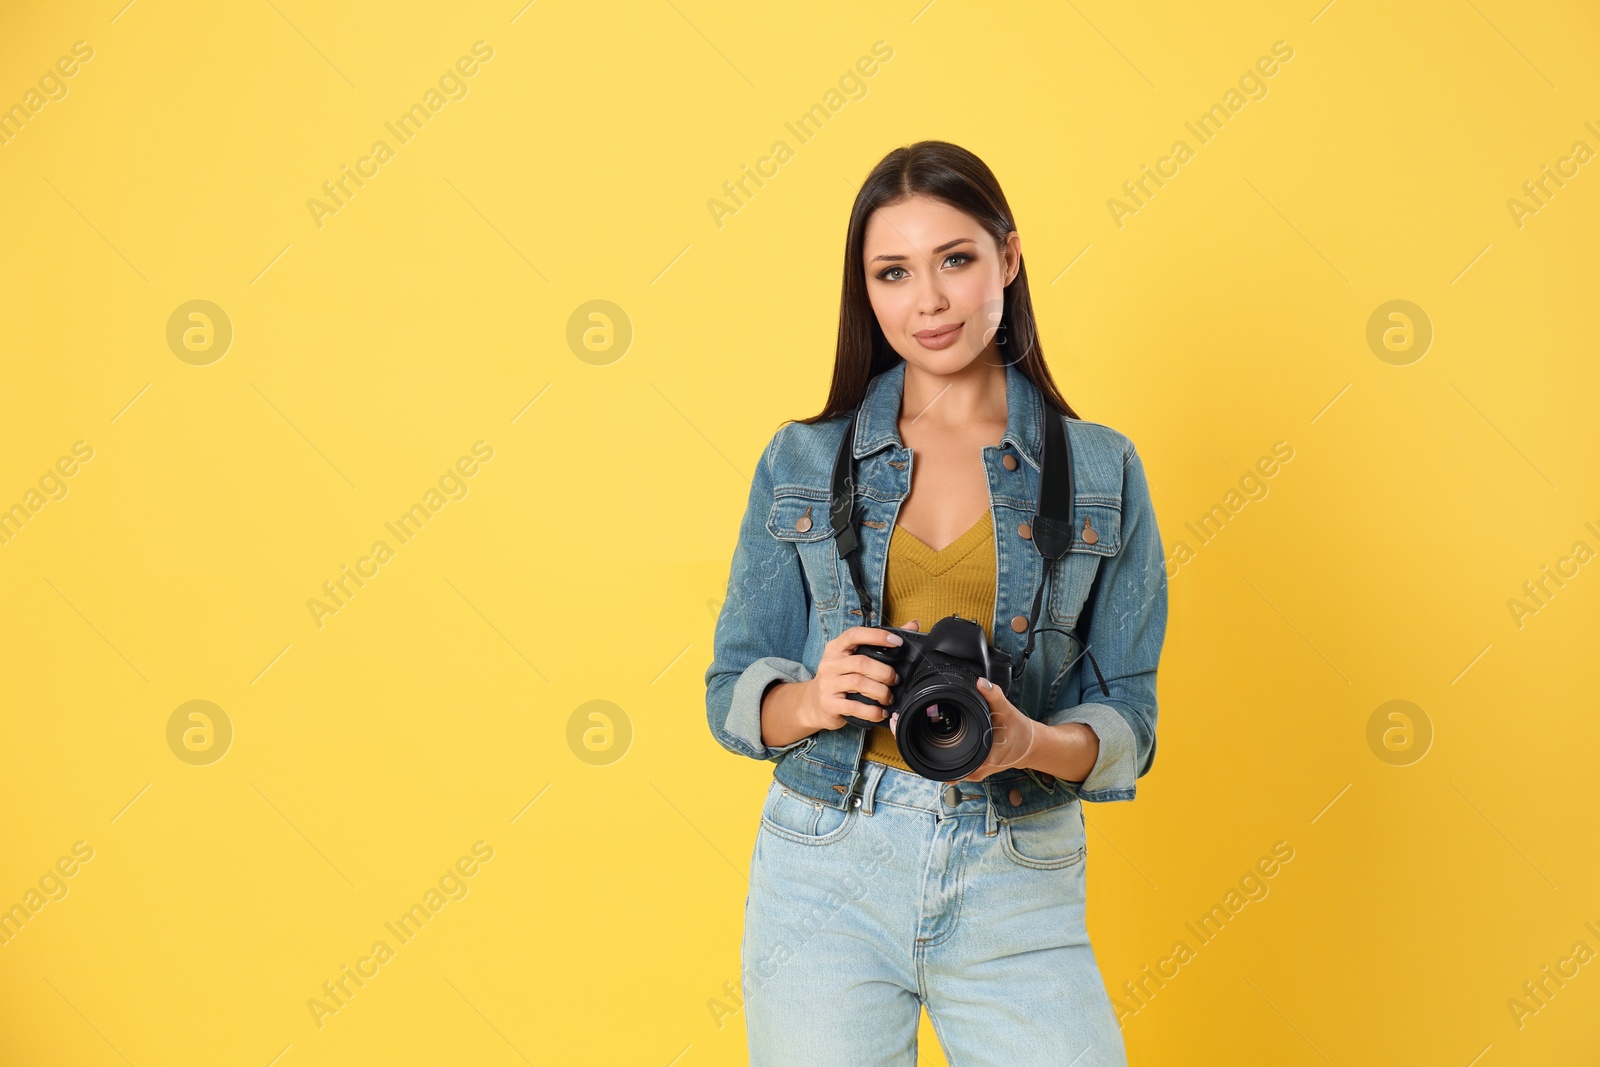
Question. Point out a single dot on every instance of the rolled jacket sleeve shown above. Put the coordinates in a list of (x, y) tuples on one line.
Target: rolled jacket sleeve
[(1127, 611), (761, 630)]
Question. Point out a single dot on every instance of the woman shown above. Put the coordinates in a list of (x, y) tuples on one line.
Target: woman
[(875, 890)]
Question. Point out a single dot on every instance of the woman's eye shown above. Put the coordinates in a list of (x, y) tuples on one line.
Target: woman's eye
[(888, 273)]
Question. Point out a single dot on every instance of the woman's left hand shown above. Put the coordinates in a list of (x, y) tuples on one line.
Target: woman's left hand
[(1015, 734)]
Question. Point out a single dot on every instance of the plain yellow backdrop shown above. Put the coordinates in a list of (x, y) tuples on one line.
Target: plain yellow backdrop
[(549, 269)]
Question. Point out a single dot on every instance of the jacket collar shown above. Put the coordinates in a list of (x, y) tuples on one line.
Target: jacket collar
[(879, 424)]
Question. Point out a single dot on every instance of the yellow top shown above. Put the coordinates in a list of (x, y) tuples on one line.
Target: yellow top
[(926, 585)]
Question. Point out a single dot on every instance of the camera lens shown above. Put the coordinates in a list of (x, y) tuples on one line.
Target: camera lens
[(944, 728), (944, 731)]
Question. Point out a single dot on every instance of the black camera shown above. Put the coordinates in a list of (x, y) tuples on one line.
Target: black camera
[(940, 721)]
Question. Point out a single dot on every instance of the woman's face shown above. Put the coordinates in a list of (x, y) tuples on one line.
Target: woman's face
[(936, 281)]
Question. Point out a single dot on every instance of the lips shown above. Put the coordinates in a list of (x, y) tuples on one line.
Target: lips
[(938, 338)]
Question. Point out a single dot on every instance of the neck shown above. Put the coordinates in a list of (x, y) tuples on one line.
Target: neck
[(973, 395)]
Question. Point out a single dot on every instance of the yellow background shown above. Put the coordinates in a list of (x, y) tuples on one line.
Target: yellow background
[(588, 558)]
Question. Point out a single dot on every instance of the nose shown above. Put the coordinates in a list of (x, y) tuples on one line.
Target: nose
[(931, 297)]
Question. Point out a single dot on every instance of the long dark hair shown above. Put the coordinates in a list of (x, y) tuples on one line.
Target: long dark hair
[(949, 173)]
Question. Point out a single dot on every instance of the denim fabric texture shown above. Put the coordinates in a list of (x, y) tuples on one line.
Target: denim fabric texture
[(913, 896), (789, 593)]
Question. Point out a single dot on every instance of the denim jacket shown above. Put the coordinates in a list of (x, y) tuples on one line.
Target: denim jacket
[(789, 593)]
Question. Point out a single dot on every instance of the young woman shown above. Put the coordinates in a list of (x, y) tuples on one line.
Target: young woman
[(875, 890)]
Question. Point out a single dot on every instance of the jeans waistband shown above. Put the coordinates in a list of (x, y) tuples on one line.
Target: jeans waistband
[(881, 782)]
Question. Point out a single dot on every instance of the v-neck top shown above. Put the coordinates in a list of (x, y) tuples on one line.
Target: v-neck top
[(921, 584), (914, 549)]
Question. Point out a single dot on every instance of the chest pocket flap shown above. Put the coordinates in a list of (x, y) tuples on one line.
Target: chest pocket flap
[(1097, 532), (801, 516), (1097, 526)]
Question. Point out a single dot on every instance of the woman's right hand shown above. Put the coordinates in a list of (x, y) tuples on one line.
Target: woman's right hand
[(843, 671)]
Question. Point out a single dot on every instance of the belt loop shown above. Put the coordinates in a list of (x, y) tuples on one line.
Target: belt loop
[(869, 784), (991, 824)]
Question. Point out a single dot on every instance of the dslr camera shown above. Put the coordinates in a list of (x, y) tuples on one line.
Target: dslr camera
[(940, 721)]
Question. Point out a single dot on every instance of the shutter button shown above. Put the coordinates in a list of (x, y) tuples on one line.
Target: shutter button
[(952, 795)]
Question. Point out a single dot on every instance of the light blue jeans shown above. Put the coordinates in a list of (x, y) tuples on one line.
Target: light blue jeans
[(857, 918)]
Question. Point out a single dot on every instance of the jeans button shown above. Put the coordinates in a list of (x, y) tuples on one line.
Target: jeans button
[(952, 795)]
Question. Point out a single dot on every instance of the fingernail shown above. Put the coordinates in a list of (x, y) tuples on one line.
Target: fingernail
[(896, 639), (984, 683)]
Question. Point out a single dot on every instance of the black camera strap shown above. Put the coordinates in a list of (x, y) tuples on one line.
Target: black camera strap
[(1053, 531)]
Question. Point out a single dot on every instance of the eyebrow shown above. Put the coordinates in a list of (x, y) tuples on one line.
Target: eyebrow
[(936, 251)]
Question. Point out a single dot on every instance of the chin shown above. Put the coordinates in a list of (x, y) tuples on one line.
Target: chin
[(948, 361)]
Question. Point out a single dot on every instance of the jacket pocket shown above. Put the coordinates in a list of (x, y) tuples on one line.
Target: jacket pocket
[(800, 516), (1097, 533)]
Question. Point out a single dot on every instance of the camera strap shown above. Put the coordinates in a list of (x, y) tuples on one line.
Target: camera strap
[(1053, 532)]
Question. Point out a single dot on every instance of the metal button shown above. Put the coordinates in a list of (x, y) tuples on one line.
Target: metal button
[(1010, 462), (1048, 779), (1089, 536), (1015, 796), (1019, 623), (952, 795), (1025, 531), (803, 523)]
